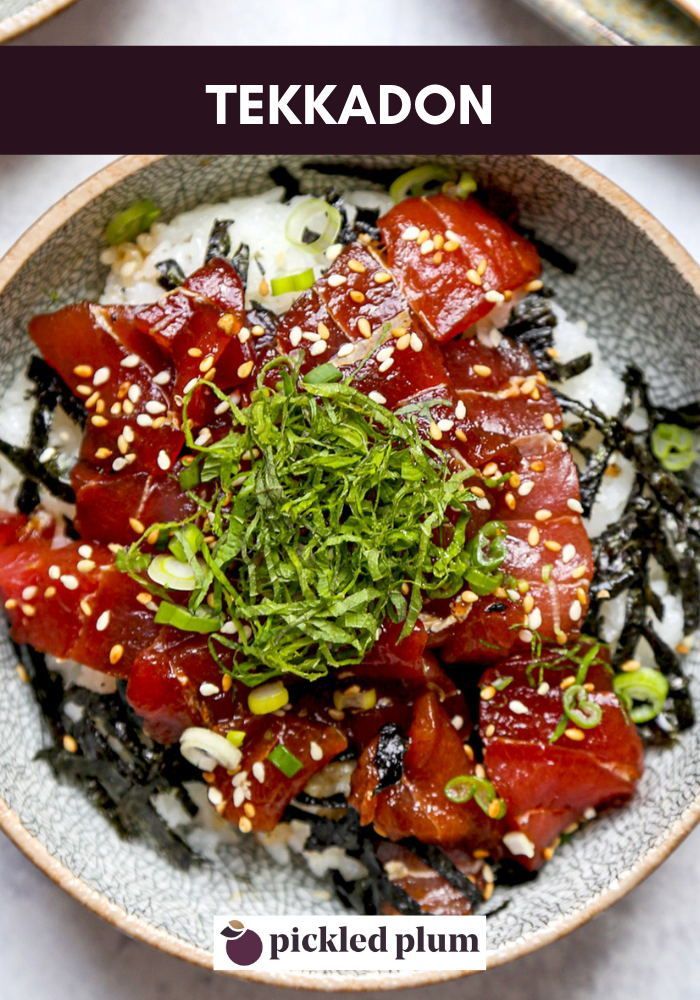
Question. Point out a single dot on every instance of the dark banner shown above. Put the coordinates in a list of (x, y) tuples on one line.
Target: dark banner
[(348, 100)]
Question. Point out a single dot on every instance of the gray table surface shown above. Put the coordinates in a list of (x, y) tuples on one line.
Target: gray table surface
[(644, 947), (235, 22)]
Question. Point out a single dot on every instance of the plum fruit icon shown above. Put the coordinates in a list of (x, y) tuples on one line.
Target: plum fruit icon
[(244, 946)]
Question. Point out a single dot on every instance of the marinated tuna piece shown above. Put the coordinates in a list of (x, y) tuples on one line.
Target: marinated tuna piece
[(452, 885), (557, 744), (416, 804), (454, 260), (67, 599)]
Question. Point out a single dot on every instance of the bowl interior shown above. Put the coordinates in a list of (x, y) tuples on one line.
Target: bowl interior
[(637, 304)]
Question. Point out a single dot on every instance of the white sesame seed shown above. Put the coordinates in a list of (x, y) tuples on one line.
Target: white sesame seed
[(130, 361), (101, 376), (386, 352), (445, 424), (543, 688), (119, 463), (214, 796), (534, 619), (47, 454), (203, 437), (377, 397), (318, 348), (574, 505), (238, 796), (295, 336), (427, 247), (526, 488), (315, 751), (482, 503), (518, 708), (134, 393), (575, 611), (336, 280), (54, 572), (524, 635), (162, 378), (221, 407), (103, 621), (188, 387), (207, 690), (519, 844), (460, 410), (85, 565), (29, 593), (69, 581), (457, 722), (334, 251), (411, 233), (258, 770), (494, 296), (385, 365), (568, 552), (450, 235), (143, 420), (163, 460), (345, 349), (416, 343), (85, 551), (154, 407)]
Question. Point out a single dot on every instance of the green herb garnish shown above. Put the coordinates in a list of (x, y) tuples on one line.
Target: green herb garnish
[(126, 225), (643, 692), (284, 760), (674, 446), (465, 787), (330, 515)]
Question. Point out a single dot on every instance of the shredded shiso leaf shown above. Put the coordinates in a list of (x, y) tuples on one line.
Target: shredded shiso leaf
[(331, 514)]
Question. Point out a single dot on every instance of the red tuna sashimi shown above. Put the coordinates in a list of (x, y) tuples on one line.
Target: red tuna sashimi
[(66, 599), (547, 786), (548, 601), (16, 527), (130, 420), (416, 805), (433, 892), (112, 508), (473, 258)]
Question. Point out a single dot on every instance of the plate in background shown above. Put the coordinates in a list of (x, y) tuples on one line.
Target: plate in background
[(18, 16), (622, 22)]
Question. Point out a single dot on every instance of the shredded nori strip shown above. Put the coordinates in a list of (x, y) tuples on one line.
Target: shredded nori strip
[(388, 757), (170, 274), (434, 857), (47, 474), (531, 323), (219, 242), (116, 764), (241, 262)]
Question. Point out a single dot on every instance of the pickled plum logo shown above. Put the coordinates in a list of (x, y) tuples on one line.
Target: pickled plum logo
[(346, 942), (243, 946)]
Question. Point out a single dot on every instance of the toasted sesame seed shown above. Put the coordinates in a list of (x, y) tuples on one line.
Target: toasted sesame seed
[(206, 363), (572, 733), (552, 545), (377, 397), (382, 277), (493, 296), (473, 276), (534, 286), (548, 421), (533, 536), (450, 246), (98, 421), (363, 325), (416, 343), (154, 407), (245, 369), (116, 653), (357, 296), (434, 431), (357, 266), (574, 505), (70, 744), (244, 824), (528, 603), (575, 610), (488, 692), (336, 280), (323, 331), (83, 371), (543, 514), (629, 666), (526, 488)]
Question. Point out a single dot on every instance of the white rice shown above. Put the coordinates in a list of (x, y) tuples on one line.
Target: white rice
[(260, 222)]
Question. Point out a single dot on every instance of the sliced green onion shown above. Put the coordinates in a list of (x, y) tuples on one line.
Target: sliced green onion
[(284, 760), (465, 787), (293, 282), (483, 583), (125, 226), (235, 737), (488, 548), (268, 698), (580, 709), (306, 217), (643, 692), (560, 729), (172, 573), (501, 683), (206, 749), (173, 614), (674, 447), (465, 186), (185, 543), (419, 181), (362, 700)]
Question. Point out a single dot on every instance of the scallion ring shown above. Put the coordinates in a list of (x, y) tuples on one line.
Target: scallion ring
[(307, 217), (580, 709), (284, 760), (172, 573), (674, 446), (293, 282), (483, 583), (465, 787), (186, 621), (488, 547), (643, 692), (462, 188), (126, 225), (206, 749), (419, 181)]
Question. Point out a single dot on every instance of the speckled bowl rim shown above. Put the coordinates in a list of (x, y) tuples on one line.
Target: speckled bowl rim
[(31, 17), (139, 929)]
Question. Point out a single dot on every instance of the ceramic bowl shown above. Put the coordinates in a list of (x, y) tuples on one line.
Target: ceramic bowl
[(640, 293), (18, 16), (623, 22)]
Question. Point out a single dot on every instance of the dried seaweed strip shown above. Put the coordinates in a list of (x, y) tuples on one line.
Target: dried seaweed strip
[(170, 274), (219, 242)]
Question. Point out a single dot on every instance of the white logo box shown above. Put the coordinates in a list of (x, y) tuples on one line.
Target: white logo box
[(342, 943)]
